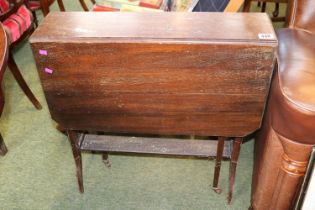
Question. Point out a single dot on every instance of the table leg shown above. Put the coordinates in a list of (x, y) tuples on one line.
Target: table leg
[(217, 168), (3, 148), (73, 138), (234, 158)]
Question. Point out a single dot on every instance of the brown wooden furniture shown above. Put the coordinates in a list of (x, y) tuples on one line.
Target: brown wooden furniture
[(15, 5), (84, 6), (43, 5), (3, 65), (6, 47), (305, 198), (156, 74), (284, 144), (262, 3)]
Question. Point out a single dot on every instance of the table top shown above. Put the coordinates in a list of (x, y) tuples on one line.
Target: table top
[(155, 27)]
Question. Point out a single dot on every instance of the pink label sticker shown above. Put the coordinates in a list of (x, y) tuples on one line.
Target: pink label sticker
[(43, 52), (48, 70)]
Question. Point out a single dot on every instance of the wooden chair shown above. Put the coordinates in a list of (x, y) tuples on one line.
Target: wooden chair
[(84, 6), (263, 3), (18, 24), (3, 65), (284, 144), (43, 5)]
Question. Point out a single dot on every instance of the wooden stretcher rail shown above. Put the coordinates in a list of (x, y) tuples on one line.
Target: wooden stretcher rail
[(146, 145)]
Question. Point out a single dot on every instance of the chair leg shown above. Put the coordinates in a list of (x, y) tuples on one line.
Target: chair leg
[(61, 5), (83, 5), (263, 7), (72, 136), (217, 168), (35, 18), (3, 148), (44, 4), (20, 80), (234, 158), (276, 11), (246, 6), (106, 160)]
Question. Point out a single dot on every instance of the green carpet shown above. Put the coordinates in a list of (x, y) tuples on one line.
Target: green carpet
[(38, 172)]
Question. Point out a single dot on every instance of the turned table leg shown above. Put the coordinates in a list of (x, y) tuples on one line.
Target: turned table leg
[(217, 168), (73, 138), (234, 158), (3, 148)]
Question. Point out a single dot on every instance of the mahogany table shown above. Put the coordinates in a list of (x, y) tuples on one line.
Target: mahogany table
[(202, 74), (3, 65)]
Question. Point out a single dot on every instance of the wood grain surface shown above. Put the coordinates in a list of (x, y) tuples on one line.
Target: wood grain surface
[(126, 77), (152, 27)]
